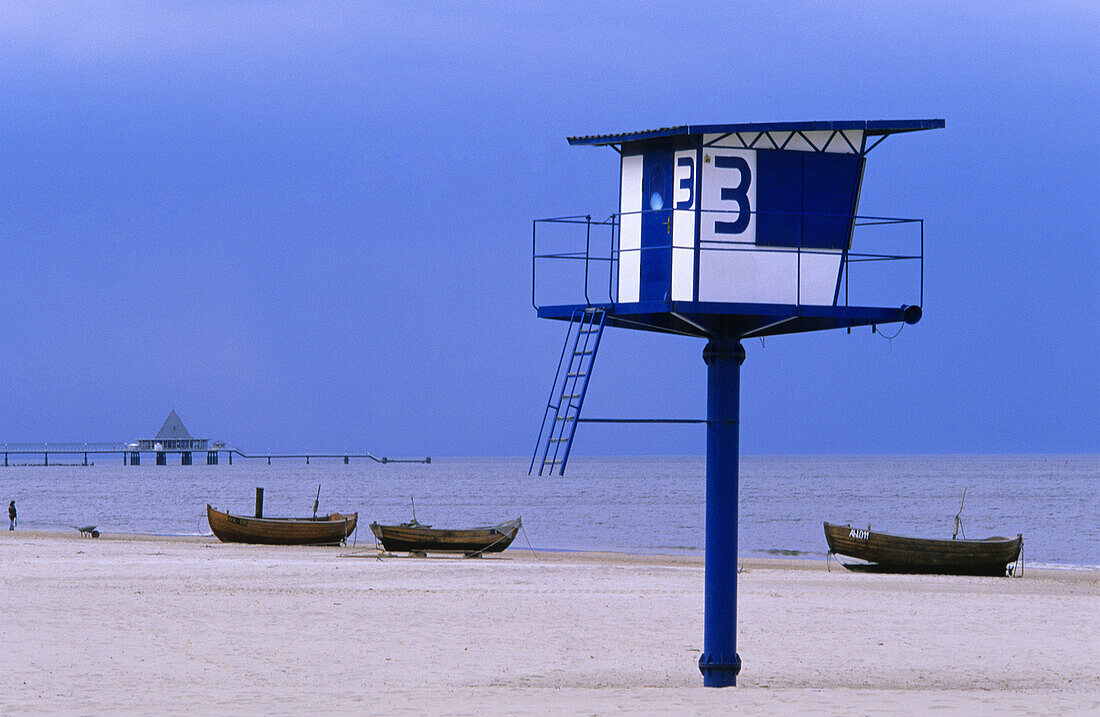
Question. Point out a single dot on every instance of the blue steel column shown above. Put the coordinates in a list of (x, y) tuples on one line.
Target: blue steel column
[(720, 662)]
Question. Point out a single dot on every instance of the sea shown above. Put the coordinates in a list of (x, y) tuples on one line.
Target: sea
[(647, 505)]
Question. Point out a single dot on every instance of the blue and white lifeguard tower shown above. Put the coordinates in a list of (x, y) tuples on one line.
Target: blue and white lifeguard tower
[(724, 232)]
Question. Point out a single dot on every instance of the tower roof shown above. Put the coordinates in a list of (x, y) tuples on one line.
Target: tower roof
[(871, 128), (172, 429)]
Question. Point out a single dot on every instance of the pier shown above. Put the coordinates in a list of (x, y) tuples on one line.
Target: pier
[(172, 439), (32, 452)]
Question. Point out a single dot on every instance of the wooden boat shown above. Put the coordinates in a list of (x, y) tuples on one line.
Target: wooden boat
[(324, 530), (897, 554), (416, 537)]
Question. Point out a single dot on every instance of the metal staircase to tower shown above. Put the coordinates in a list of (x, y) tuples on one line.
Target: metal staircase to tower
[(559, 420)]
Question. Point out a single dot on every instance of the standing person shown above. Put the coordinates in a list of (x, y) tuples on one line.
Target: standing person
[(12, 515)]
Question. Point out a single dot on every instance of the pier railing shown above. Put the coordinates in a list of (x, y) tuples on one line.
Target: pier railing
[(129, 450)]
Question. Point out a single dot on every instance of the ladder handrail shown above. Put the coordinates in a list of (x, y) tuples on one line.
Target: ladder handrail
[(560, 408), (588, 373), (549, 405), (578, 319)]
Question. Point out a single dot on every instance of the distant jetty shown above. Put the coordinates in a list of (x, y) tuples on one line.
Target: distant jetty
[(172, 438)]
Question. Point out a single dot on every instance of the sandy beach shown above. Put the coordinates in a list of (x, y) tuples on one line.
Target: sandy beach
[(134, 624)]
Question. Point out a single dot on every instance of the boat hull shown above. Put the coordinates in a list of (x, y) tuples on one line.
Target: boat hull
[(327, 530), (898, 554), (418, 538)]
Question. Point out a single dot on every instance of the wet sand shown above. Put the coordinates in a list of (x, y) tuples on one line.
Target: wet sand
[(138, 624)]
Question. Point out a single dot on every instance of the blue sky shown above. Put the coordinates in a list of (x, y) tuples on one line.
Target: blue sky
[(307, 226)]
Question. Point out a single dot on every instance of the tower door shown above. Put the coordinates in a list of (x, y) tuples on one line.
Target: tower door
[(656, 251)]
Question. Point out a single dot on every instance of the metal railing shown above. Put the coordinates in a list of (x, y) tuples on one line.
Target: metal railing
[(605, 236), (105, 448)]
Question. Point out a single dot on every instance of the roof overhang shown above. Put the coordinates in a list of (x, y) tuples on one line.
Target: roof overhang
[(871, 128)]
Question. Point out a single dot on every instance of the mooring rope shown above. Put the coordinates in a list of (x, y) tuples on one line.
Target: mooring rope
[(479, 552), (528, 539)]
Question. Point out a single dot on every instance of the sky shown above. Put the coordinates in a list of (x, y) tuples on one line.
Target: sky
[(307, 226)]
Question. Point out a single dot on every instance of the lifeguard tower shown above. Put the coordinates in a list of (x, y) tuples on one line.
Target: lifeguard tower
[(724, 232)]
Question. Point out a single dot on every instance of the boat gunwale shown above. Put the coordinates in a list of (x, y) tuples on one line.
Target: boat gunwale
[(280, 520), (991, 541)]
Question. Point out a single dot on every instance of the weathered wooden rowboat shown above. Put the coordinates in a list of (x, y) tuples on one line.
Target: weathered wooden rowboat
[(324, 530), (415, 537), (897, 554)]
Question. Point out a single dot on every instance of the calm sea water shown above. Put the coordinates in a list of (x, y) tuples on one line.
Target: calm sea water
[(648, 505)]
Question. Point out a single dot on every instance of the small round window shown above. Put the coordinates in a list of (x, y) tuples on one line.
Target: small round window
[(656, 188)]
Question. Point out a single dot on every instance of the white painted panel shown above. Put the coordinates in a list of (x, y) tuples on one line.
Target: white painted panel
[(630, 230), (800, 144), (734, 140), (762, 276), (854, 136), (683, 225), (717, 265), (715, 208), (819, 275), (794, 142)]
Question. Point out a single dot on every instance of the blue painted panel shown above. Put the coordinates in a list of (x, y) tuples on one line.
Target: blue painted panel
[(807, 195), (778, 198), (656, 263), (829, 188)]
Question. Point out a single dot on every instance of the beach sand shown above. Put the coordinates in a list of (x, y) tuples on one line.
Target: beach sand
[(136, 624)]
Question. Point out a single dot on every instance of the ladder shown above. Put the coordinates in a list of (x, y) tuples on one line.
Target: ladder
[(559, 420)]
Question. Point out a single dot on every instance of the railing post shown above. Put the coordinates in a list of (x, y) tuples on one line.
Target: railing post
[(534, 226), (587, 251), (798, 289), (611, 254), (922, 263)]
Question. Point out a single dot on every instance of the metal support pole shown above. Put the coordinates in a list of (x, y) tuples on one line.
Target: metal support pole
[(720, 662), (259, 502)]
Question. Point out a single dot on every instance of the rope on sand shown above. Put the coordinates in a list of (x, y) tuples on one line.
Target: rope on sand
[(528, 539)]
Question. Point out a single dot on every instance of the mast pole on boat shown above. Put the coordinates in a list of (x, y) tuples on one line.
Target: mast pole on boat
[(719, 661)]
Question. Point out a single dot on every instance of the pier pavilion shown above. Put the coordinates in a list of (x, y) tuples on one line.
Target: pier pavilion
[(172, 437)]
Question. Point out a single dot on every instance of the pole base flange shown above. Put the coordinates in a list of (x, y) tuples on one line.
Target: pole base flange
[(719, 670)]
